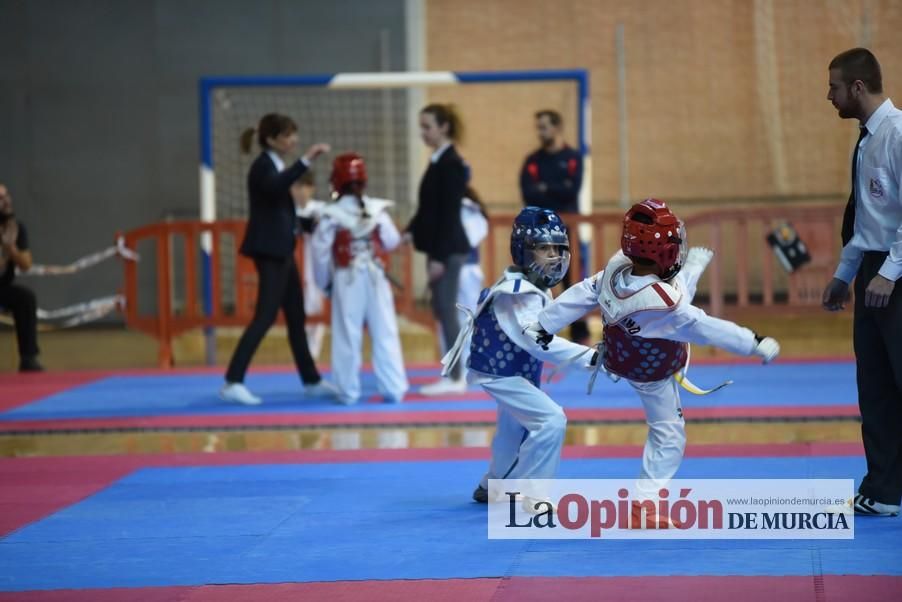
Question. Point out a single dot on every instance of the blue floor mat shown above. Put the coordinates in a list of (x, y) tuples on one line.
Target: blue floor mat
[(400, 520), (791, 384)]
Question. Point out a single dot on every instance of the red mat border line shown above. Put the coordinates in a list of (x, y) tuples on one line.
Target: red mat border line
[(20, 389), (737, 588), (276, 368), (36, 487), (420, 417)]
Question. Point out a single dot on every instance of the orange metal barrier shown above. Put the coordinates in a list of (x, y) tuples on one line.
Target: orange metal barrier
[(177, 260), (742, 273)]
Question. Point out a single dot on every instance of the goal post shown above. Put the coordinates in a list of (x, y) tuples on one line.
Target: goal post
[(376, 115), (376, 81)]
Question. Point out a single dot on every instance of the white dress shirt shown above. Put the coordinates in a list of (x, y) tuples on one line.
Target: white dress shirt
[(277, 160), (438, 152), (878, 210)]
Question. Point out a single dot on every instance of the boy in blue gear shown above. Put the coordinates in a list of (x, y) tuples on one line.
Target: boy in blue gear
[(507, 362)]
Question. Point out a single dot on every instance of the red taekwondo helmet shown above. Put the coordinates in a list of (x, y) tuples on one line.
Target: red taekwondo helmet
[(652, 232), (346, 169)]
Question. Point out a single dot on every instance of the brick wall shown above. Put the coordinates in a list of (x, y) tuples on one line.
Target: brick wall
[(726, 98)]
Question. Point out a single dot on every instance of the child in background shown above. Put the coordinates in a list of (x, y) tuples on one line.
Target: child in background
[(349, 249), (308, 211), (476, 227)]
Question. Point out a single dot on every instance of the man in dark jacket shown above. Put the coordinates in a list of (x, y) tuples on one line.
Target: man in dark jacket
[(551, 178)]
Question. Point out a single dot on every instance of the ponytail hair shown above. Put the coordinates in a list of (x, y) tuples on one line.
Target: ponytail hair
[(247, 140), (270, 126), (447, 114)]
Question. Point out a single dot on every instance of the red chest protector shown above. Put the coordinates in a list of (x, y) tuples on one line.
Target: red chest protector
[(343, 249), (642, 360), (626, 354)]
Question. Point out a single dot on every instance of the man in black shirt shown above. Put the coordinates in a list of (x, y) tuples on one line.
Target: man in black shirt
[(551, 178), (17, 299)]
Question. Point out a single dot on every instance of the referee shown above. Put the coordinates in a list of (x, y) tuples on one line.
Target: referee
[(270, 238), (872, 256)]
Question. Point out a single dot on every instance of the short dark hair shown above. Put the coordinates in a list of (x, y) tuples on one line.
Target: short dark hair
[(553, 116), (859, 64)]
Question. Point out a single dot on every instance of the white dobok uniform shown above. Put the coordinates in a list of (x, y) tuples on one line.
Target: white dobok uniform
[(314, 297), (646, 307), (470, 283), (508, 365), (345, 249)]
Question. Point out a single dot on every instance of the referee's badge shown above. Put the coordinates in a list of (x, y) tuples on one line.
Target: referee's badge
[(876, 188)]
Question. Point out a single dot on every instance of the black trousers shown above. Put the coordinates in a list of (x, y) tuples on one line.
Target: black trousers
[(278, 285), (444, 302), (878, 357), (24, 307)]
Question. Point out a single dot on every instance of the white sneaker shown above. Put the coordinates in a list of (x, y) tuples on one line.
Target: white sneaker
[(867, 507), (345, 400), (444, 386), (238, 393), (322, 389)]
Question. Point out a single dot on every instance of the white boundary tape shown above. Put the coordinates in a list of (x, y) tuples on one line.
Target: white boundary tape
[(87, 311), (82, 263)]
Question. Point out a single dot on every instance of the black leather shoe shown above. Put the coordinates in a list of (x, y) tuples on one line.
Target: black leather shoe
[(30, 364), (481, 495)]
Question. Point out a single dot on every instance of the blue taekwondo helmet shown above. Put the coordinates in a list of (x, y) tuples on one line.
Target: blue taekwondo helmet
[(535, 226)]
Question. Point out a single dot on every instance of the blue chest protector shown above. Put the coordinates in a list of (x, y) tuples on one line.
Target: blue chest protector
[(492, 352)]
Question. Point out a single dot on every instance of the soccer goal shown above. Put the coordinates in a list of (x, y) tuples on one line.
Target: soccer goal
[(376, 114)]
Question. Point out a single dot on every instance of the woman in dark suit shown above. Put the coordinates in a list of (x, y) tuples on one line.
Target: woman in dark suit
[(436, 229), (269, 240)]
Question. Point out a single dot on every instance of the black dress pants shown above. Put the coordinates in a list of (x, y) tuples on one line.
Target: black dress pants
[(878, 357), (278, 285), (444, 302), (24, 307)]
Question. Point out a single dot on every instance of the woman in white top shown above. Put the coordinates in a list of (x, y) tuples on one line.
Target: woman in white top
[(476, 226)]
